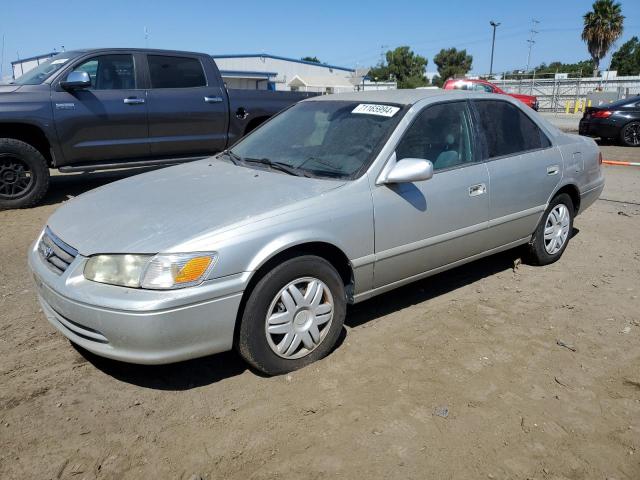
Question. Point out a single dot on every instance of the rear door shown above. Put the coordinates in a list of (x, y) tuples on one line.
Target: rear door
[(187, 108), (107, 121), (524, 169)]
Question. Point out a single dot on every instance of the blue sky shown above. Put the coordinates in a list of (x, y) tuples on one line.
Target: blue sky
[(338, 32)]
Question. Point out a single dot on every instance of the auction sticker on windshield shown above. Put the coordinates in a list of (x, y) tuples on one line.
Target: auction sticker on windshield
[(373, 109)]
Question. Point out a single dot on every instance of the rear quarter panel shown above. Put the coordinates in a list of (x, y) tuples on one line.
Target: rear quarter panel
[(581, 167)]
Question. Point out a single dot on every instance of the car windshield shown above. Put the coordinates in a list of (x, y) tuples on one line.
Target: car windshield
[(322, 138), (43, 71)]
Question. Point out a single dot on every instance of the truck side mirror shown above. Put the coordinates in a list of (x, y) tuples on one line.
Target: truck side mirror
[(76, 80)]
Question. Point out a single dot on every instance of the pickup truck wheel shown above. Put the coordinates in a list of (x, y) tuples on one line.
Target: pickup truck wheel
[(24, 174), (293, 316), (554, 231)]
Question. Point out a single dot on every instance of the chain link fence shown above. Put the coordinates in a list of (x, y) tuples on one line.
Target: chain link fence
[(570, 95)]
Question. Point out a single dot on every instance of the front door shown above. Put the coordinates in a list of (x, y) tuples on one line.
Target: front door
[(424, 225), (107, 121), (188, 113)]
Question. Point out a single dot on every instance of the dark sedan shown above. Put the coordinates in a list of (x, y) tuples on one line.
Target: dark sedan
[(618, 121)]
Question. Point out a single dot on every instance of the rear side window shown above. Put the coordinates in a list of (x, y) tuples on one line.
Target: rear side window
[(508, 130), (175, 72)]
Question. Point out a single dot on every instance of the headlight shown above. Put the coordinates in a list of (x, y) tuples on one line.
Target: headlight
[(157, 272)]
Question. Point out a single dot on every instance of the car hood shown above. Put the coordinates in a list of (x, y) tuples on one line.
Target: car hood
[(156, 211), (8, 88)]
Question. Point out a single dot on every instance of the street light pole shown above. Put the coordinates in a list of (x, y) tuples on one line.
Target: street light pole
[(493, 44)]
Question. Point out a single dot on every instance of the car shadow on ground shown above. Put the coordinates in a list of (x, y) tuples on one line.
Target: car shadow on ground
[(431, 287), (67, 186), (211, 369)]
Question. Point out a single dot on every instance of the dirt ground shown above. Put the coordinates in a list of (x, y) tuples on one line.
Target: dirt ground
[(457, 376)]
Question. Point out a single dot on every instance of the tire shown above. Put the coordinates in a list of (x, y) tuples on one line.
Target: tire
[(267, 301), (545, 251), (630, 134), (24, 174)]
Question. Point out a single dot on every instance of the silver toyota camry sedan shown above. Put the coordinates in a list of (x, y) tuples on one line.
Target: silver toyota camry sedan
[(335, 200)]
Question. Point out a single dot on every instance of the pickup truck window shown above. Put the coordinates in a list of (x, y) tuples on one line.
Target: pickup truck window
[(110, 72), (507, 130), (323, 138), (175, 72)]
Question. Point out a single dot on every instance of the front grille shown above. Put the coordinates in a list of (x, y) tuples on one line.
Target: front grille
[(56, 254)]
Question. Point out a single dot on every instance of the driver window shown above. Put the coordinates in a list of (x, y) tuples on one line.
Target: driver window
[(441, 133), (110, 72)]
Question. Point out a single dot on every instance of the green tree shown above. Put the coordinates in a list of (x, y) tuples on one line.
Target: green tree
[(451, 63), (403, 66), (310, 59), (602, 27), (626, 60)]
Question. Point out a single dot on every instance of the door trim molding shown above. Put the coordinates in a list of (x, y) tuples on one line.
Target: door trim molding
[(390, 286), (517, 215), (427, 242)]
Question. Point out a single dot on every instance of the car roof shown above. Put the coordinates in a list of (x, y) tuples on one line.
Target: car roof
[(400, 96)]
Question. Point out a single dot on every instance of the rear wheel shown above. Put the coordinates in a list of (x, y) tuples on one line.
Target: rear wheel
[(630, 134), (293, 316), (553, 233), (24, 174)]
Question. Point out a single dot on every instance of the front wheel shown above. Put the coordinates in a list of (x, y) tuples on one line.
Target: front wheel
[(293, 316), (550, 239), (24, 174), (630, 134)]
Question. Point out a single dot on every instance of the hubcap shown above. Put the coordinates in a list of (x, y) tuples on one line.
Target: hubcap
[(632, 134), (299, 318), (556, 228), (15, 176)]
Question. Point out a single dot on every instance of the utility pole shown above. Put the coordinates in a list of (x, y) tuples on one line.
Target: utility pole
[(493, 44), (146, 37), (2, 58), (382, 55), (531, 41)]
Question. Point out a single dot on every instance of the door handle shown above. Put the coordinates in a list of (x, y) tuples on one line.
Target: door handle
[(213, 99), (553, 170), (134, 101), (479, 189)]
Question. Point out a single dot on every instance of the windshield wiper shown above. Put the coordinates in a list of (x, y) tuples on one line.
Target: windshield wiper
[(234, 157), (283, 167)]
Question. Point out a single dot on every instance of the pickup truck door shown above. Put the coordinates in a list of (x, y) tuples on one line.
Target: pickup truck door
[(106, 121), (424, 225), (188, 108)]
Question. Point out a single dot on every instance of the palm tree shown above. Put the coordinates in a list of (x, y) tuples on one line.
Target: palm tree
[(602, 27)]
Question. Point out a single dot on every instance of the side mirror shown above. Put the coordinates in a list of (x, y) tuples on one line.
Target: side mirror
[(76, 80), (410, 170)]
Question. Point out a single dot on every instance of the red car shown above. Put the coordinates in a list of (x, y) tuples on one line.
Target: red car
[(483, 85)]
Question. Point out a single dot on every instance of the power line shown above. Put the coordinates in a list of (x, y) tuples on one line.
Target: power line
[(531, 41)]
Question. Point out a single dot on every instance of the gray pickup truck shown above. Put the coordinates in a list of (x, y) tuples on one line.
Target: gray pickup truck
[(101, 109)]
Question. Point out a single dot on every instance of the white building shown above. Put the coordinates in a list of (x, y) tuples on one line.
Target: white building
[(272, 72)]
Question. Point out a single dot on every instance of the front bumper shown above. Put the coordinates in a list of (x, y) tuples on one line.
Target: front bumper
[(135, 325)]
